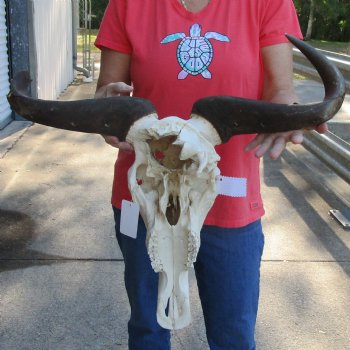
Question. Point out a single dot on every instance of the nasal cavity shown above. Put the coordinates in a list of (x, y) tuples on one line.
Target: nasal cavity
[(173, 210)]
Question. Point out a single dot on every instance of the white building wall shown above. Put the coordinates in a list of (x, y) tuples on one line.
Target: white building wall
[(5, 111), (52, 21)]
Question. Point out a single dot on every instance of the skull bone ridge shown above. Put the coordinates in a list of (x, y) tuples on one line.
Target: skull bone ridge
[(173, 181)]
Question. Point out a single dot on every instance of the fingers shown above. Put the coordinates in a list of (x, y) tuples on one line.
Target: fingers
[(118, 89), (277, 147), (109, 90), (322, 128), (297, 137), (114, 142), (256, 142), (114, 89), (273, 144), (126, 146)]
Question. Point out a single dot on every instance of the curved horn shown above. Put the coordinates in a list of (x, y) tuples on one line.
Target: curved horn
[(232, 116), (109, 116)]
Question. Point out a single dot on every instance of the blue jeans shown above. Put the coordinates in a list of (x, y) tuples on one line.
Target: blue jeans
[(228, 275)]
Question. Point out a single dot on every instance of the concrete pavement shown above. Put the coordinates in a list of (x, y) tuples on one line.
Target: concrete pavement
[(61, 272)]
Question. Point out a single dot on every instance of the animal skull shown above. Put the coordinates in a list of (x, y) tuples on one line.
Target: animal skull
[(173, 177), (173, 181)]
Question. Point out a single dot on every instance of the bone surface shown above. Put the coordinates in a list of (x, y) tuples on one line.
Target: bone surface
[(173, 180)]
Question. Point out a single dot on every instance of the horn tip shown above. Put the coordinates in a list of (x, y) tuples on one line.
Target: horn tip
[(20, 82)]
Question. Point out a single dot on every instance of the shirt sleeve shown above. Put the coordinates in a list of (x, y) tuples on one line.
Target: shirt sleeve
[(112, 33), (278, 17)]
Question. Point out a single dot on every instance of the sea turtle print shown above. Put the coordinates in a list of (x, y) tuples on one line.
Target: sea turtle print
[(195, 52)]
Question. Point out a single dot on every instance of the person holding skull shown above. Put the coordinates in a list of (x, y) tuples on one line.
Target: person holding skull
[(174, 52), (226, 65)]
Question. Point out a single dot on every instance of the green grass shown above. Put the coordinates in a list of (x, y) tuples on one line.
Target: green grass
[(335, 46), (80, 42), (297, 76)]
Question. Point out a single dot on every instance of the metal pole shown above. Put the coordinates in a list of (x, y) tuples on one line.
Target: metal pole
[(89, 37), (331, 150), (85, 34), (75, 18)]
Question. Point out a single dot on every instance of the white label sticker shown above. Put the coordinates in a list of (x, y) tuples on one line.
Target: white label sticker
[(231, 186), (129, 218)]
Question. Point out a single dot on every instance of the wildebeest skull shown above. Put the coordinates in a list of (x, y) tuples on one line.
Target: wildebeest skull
[(173, 180), (173, 177)]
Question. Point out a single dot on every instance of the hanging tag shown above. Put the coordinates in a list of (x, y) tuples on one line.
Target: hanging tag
[(129, 218), (231, 186)]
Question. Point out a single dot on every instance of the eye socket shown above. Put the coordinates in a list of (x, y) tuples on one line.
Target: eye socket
[(166, 153)]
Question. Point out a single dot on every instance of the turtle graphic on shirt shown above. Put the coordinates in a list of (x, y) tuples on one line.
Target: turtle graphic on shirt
[(195, 52)]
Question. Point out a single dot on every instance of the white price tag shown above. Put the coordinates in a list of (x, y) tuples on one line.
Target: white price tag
[(129, 218), (231, 186)]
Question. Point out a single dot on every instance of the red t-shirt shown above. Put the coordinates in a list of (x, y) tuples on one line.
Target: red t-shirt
[(227, 35)]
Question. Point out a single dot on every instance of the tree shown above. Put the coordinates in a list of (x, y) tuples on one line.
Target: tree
[(324, 19), (311, 20), (97, 8)]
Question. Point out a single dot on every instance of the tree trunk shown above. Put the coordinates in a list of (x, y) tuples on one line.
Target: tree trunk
[(310, 21)]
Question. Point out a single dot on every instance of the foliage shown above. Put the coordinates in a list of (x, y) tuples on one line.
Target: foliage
[(97, 8), (331, 21)]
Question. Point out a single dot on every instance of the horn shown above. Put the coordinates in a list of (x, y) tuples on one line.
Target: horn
[(232, 116), (109, 116)]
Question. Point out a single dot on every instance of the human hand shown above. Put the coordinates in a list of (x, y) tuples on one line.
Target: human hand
[(114, 142), (275, 143), (109, 90), (114, 89)]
